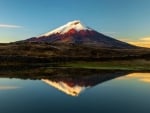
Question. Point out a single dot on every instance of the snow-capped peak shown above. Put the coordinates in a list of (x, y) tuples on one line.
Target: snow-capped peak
[(77, 25), (64, 87)]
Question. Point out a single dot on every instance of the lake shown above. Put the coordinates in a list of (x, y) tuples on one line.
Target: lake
[(76, 91)]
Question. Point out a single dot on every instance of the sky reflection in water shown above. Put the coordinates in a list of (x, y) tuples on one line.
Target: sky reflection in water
[(107, 92)]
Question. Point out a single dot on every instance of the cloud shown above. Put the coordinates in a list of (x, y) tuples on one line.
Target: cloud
[(145, 39), (125, 39), (143, 42), (110, 33), (9, 26)]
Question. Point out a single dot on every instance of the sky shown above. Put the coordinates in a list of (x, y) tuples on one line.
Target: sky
[(127, 20)]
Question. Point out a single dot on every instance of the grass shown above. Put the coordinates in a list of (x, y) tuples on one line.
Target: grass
[(135, 65), (112, 65)]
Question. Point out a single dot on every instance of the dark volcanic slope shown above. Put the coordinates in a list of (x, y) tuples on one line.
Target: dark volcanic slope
[(76, 33)]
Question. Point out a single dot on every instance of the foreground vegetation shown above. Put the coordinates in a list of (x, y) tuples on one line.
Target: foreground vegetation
[(129, 65), (132, 65), (22, 55), (45, 52)]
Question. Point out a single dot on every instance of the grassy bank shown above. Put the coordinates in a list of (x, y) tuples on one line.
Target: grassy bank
[(141, 65), (131, 65)]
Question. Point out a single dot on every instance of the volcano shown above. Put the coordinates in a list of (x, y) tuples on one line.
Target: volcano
[(75, 32)]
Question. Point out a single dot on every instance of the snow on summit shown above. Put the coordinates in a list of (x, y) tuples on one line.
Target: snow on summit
[(76, 25)]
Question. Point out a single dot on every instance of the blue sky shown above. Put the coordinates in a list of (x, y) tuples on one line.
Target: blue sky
[(122, 19)]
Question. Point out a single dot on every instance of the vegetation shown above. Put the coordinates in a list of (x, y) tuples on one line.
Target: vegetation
[(45, 52), (23, 55), (133, 65)]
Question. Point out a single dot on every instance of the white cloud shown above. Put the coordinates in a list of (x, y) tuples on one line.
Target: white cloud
[(145, 39), (125, 39), (9, 26), (143, 42), (110, 33)]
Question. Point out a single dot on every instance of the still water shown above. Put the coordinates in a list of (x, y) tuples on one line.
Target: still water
[(109, 92)]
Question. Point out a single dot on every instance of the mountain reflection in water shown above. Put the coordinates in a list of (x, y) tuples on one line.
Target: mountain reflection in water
[(69, 81), (73, 84), (46, 90), (66, 88), (143, 77)]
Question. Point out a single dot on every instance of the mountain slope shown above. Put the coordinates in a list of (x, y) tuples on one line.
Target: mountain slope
[(76, 33)]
